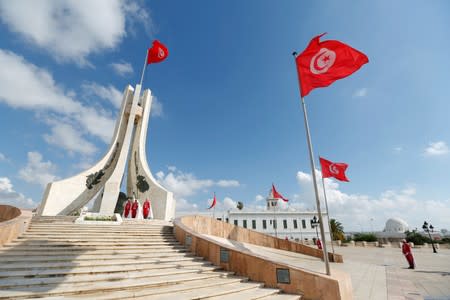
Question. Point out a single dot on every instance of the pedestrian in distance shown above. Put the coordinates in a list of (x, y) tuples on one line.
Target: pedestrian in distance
[(406, 249), (319, 244)]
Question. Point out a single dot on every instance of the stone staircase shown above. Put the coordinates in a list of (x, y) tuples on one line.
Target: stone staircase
[(57, 259)]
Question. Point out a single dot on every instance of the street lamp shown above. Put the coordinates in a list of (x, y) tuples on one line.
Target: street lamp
[(427, 229), (314, 223)]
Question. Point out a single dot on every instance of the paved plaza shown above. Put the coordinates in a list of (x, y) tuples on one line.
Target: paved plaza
[(376, 273)]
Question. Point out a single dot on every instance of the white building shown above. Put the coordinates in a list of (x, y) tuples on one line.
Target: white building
[(291, 224)]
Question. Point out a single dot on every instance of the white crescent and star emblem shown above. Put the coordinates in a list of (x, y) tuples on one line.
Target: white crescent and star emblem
[(161, 53), (333, 169), (322, 61)]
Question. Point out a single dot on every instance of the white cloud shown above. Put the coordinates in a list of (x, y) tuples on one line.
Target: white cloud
[(186, 184), (2, 157), (157, 108), (228, 183), (71, 29), (67, 137), (185, 206), (229, 203), (10, 197), (259, 198), (398, 149), (108, 93), (38, 171), (122, 68), (43, 95), (362, 92), (436, 149), (355, 210)]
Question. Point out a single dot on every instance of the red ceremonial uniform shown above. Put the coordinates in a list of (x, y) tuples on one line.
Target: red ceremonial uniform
[(406, 249), (319, 244), (146, 209), (127, 208), (134, 209)]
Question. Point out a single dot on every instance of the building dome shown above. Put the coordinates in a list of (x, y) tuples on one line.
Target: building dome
[(396, 225)]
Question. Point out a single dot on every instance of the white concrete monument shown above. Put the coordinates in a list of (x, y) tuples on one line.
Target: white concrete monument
[(102, 181)]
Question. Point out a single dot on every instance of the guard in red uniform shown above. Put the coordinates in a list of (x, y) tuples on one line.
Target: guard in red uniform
[(134, 208), (406, 249), (319, 244), (147, 209), (127, 208)]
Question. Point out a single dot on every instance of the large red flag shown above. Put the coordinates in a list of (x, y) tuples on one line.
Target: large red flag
[(331, 169), (322, 63), (277, 195), (213, 203), (157, 53)]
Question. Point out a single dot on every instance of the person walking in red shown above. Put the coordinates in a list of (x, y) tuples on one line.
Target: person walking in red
[(319, 244), (406, 249), (134, 208)]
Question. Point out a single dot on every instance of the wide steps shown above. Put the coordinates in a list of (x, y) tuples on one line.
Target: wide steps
[(58, 259), (15, 266), (63, 279), (76, 258), (105, 286), (70, 271)]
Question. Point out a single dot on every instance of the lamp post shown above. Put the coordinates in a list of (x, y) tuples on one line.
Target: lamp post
[(427, 229), (314, 223)]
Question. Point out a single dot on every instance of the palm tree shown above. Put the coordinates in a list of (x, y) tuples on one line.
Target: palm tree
[(337, 230)]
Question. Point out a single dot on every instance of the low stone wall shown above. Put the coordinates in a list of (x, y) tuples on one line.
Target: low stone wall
[(13, 222), (189, 231)]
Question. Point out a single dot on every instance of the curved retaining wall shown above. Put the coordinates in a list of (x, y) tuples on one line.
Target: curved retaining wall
[(13, 222), (190, 230)]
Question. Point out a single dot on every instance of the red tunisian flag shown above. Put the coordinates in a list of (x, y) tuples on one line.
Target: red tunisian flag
[(157, 53), (331, 169), (277, 195), (322, 63), (213, 203)]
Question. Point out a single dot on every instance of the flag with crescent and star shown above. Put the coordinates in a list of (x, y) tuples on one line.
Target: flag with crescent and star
[(213, 202), (322, 63), (331, 169), (277, 195), (157, 53)]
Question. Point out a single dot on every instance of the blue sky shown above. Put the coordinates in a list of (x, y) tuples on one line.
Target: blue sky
[(227, 116)]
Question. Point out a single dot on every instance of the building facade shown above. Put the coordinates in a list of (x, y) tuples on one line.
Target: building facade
[(293, 225)]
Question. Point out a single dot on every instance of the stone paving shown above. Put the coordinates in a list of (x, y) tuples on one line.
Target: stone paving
[(376, 273)]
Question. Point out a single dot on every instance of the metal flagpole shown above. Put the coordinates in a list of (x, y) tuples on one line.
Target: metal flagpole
[(328, 214), (313, 173), (143, 70)]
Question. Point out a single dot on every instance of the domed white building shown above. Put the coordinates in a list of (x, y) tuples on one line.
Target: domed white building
[(394, 231), (396, 225)]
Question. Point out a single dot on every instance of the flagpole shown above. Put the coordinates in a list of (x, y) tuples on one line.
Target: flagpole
[(313, 173), (143, 70), (328, 214)]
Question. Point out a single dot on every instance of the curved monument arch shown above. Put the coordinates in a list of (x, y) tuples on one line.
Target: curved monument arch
[(104, 179)]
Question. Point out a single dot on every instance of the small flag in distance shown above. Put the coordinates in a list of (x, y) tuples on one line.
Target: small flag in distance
[(157, 53), (277, 195), (213, 202), (331, 169)]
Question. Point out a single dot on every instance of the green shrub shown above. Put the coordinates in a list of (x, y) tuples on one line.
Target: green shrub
[(100, 218), (365, 237), (416, 238)]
